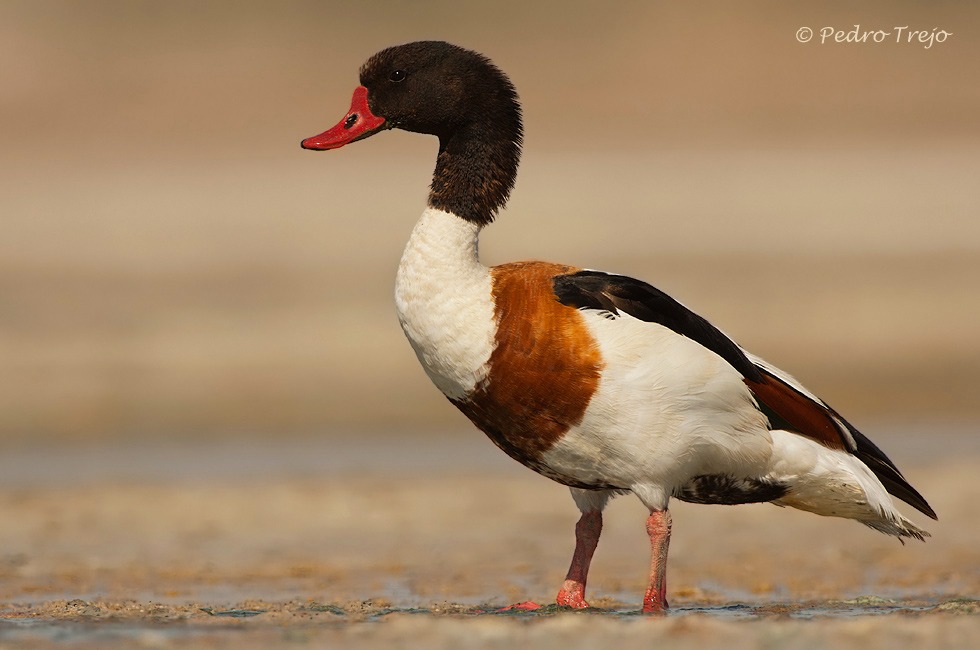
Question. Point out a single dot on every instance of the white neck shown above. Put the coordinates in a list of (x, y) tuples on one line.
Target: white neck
[(444, 301)]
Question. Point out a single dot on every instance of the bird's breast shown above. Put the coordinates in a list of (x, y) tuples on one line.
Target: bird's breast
[(544, 368)]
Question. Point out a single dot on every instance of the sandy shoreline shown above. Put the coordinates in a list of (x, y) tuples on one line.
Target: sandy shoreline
[(145, 557), (952, 624)]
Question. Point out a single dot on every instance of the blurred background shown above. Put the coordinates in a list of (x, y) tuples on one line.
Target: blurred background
[(174, 266)]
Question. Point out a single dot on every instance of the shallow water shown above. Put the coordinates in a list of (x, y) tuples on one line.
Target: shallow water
[(311, 456), (111, 624), (373, 540)]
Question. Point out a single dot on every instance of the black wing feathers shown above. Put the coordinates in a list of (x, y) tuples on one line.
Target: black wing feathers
[(612, 293)]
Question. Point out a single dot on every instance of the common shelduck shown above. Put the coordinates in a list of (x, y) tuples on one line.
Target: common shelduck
[(597, 381)]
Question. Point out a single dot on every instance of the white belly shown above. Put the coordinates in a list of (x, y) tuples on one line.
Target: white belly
[(667, 409)]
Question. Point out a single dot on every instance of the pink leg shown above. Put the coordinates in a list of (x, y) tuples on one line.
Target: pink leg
[(587, 532), (658, 527)]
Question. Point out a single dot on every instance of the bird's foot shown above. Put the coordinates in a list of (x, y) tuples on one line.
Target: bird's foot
[(655, 603), (526, 605), (572, 594)]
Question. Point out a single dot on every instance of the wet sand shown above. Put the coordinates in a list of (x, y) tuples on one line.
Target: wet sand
[(951, 624), (381, 541)]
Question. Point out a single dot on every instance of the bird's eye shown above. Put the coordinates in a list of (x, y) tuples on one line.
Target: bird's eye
[(397, 75)]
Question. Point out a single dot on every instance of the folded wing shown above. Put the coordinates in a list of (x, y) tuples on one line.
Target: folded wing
[(787, 404)]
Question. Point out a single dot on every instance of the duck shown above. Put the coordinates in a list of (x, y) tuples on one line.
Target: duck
[(595, 380)]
